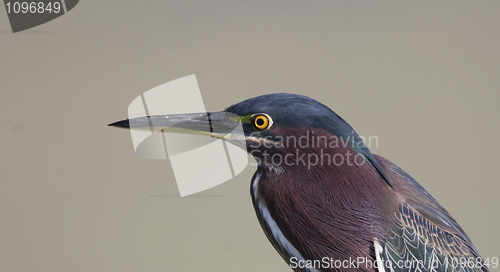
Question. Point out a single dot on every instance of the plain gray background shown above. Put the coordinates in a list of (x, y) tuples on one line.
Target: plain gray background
[(422, 77)]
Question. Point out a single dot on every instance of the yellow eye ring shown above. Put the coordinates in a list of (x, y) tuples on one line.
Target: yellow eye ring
[(261, 121)]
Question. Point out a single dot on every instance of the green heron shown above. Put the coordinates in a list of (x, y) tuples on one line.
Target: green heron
[(324, 201)]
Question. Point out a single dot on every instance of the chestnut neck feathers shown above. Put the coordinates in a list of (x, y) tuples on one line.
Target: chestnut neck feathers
[(330, 209)]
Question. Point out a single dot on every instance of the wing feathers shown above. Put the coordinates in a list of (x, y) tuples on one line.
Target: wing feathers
[(423, 235)]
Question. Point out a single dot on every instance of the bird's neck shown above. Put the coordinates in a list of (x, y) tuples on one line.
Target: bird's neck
[(324, 200)]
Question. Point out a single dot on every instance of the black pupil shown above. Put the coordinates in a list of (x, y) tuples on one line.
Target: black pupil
[(260, 122)]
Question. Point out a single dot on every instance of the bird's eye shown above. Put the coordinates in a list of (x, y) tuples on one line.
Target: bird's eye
[(261, 121)]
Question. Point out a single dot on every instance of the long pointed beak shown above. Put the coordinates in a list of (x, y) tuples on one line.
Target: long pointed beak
[(223, 125)]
